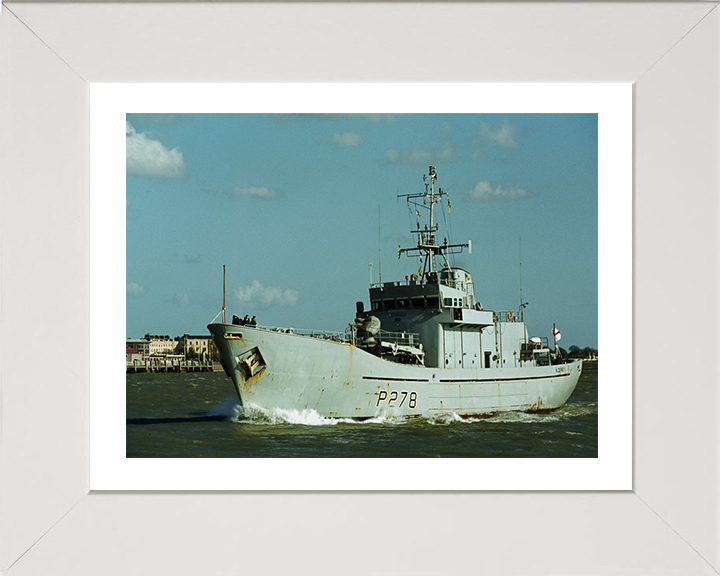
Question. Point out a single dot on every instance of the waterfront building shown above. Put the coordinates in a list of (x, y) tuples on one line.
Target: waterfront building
[(161, 345), (187, 346), (139, 346), (151, 345), (202, 347)]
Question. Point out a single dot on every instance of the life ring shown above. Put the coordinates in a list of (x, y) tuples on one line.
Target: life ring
[(510, 316)]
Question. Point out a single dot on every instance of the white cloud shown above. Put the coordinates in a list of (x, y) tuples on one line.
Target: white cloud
[(255, 192), (379, 117), (504, 135), (484, 192), (182, 298), (163, 119), (348, 139), (267, 296), (145, 156), (135, 289), (420, 156), (478, 155), (294, 117)]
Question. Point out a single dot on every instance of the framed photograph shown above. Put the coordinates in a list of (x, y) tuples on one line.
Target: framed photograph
[(71, 499), (551, 450)]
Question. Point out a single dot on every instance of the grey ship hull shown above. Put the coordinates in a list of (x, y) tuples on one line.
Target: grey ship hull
[(271, 369)]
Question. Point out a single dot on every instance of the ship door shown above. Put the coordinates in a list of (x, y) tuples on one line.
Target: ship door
[(453, 347)]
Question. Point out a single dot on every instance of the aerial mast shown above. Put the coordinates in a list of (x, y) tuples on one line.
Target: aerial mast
[(522, 303), (379, 251), (520, 266), (224, 322), (432, 175), (426, 238)]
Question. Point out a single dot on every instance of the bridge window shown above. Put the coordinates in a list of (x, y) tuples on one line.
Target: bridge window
[(403, 303), (418, 302), (433, 302), (389, 304), (447, 302), (375, 305)]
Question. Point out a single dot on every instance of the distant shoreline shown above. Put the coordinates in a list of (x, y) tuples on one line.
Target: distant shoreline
[(183, 367)]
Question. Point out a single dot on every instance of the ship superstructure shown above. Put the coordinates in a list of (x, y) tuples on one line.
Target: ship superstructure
[(424, 347)]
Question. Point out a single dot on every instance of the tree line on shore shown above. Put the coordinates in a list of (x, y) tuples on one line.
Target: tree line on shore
[(577, 352)]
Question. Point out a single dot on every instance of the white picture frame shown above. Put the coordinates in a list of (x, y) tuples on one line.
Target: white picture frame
[(50, 53)]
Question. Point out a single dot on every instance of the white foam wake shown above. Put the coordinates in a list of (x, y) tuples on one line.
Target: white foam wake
[(305, 417), (279, 416), (230, 408)]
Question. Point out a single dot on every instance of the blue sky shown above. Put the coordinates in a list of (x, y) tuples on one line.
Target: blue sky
[(291, 203)]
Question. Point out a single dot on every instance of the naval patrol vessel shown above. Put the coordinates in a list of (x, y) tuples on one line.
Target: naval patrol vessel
[(425, 347)]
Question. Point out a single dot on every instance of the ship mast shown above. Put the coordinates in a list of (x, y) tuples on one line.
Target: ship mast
[(433, 176), (426, 243), (223, 310)]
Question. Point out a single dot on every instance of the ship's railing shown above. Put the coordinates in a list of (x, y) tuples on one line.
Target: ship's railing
[(530, 346), (507, 316), (401, 338), (409, 281), (414, 281), (457, 284), (322, 334), (535, 344)]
